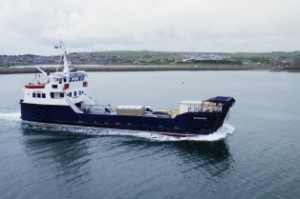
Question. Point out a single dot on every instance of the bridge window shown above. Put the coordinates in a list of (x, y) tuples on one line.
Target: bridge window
[(54, 86), (38, 95), (57, 95)]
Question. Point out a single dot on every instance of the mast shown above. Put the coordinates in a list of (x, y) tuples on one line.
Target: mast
[(66, 65)]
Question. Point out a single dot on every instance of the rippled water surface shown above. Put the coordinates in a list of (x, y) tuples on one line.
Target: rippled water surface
[(256, 154)]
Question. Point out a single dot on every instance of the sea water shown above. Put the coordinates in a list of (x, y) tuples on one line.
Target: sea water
[(254, 155)]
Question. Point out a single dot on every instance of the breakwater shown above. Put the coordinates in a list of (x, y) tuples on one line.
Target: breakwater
[(15, 70)]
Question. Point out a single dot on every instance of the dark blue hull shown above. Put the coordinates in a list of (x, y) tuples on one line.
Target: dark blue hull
[(187, 124)]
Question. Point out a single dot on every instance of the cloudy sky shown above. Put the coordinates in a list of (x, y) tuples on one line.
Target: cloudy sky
[(34, 26)]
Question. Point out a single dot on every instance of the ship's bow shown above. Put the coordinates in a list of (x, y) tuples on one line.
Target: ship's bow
[(227, 102)]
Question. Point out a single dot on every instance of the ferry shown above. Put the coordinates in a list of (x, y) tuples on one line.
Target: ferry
[(61, 98)]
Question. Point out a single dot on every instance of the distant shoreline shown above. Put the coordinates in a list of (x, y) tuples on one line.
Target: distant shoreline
[(131, 68), (122, 61)]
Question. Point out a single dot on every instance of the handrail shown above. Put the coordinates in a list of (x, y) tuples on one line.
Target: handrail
[(73, 106), (90, 98)]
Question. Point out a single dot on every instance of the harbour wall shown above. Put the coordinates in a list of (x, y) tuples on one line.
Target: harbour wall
[(15, 70)]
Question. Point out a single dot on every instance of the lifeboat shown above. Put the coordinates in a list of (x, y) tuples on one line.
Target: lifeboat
[(34, 86)]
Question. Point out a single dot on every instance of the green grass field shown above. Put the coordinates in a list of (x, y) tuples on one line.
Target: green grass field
[(262, 57), (144, 55)]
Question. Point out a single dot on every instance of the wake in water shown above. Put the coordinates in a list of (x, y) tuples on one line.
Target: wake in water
[(10, 116), (221, 134)]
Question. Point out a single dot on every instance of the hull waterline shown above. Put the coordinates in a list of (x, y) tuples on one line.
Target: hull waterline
[(183, 125)]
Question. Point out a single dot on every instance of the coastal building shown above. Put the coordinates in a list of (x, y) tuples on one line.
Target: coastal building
[(293, 62)]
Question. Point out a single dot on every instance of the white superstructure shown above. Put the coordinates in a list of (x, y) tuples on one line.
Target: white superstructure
[(59, 88)]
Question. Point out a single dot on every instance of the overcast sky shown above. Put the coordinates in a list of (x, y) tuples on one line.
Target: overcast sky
[(34, 26)]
